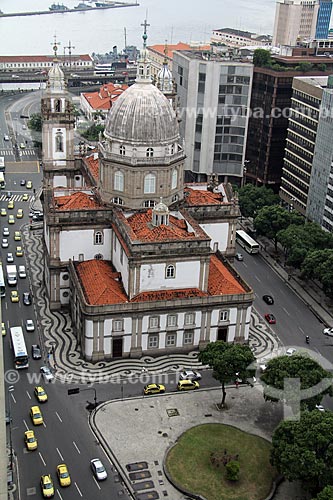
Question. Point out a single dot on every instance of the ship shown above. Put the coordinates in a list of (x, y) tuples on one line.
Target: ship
[(82, 6), (103, 4), (58, 7)]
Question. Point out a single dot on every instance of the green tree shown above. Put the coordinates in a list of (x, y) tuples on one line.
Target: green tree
[(303, 450), (261, 58), (233, 469), (318, 264), (304, 67), (253, 198), (92, 132), (322, 67), (227, 360), (35, 122), (270, 220), (325, 494), (304, 368)]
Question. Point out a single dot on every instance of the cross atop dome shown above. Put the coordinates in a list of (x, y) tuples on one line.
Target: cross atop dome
[(55, 46), (143, 72), (145, 36)]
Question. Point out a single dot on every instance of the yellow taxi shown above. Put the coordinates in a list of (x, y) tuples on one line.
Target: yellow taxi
[(14, 296), (46, 485), (40, 394), (25, 197), (19, 214), (3, 212), (187, 385), (63, 475), (10, 204), (153, 389), (17, 236), (11, 219), (30, 440), (3, 329), (36, 415), (19, 252), (29, 185)]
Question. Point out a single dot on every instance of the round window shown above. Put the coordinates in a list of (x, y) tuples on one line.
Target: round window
[(65, 294), (65, 277)]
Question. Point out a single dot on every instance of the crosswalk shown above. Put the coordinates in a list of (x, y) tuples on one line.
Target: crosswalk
[(14, 197), (22, 152)]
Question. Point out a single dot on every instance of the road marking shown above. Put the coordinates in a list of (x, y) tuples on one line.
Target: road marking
[(28, 395), (78, 489), (26, 425), (301, 329), (60, 455), (59, 494), (98, 486), (42, 459), (256, 277), (285, 310), (44, 424), (13, 397), (77, 449), (58, 416)]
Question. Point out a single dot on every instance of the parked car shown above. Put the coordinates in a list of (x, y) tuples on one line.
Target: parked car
[(268, 299), (187, 385), (270, 318), (36, 352), (98, 469), (153, 389), (190, 375), (290, 351)]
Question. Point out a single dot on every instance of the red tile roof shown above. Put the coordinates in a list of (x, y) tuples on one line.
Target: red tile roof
[(105, 97), (141, 229), (76, 201), (101, 284), (171, 48), (92, 163), (197, 197)]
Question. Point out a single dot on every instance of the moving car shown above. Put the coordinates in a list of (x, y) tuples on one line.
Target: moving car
[(10, 258), (187, 385), (268, 299), (23, 182), (98, 469), (190, 375), (9, 194), (25, 197), (14, 296), (239, 256), (47, 374), (3, 329), (27, 298), (30, 440), (10, 204), (19, 214), (36, 352), (29, 185), (17, 236), (19, 252), (6, 137), (22, 272), (46, 485), (328, 331), (22, 145), (270, 318), (63, 475), (40, 394), (3, 212), (29, 325), (153, 389), (5, 231), (36, 415), (11, 219), (290, 351), (4, 243)]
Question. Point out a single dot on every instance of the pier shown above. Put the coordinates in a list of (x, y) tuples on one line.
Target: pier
[(114, 5)]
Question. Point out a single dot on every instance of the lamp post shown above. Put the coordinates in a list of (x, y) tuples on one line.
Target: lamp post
[(11, 389)]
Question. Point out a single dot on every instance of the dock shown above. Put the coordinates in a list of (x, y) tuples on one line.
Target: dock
[(114, 5)]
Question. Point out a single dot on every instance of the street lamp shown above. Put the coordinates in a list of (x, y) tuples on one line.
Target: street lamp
[(11, 389)]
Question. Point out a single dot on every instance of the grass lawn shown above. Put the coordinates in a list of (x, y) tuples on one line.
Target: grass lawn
[(189, 463)]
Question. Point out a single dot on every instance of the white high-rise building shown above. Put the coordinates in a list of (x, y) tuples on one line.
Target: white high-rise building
[(295, 20)]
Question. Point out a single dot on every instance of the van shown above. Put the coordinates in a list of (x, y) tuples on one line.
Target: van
[(22, 272)]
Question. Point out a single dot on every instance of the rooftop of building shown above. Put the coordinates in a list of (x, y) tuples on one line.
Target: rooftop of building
[(208, 55), (105, 97), (232, 31), (294, 60), (50, 58), (102, 284), (160, 48), (92, 162), (316, 81), (76, 201), (198, 195)]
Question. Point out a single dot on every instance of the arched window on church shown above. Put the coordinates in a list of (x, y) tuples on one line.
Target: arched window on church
[(59, 142), (98, 238), (58, 106), (150, 182), (174, 179), (117, 201), (150, 152), (172, 149), (122, 150), (149, 203), (170, 271), (119, 181)]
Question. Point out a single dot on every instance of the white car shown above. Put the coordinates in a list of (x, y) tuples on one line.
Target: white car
[(29, 325), (290, 351), (4, 243), (47, 374), (328, 331), (320, 408), (189, 375), (5, 231), (10, 257), (98, 469)]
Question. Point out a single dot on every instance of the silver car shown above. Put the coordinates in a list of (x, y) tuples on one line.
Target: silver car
[(190, 375), (29, 325), (5, 231), (47, 374), (98, 469), (4, 243)]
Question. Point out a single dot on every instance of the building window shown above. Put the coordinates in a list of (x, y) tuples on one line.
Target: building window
[(174, 198), (117, 325), (59, 142), (65, 277), (98, 238), (188, 337), (119, 181), (149, 203), (224, 315), (152, 341), (149, 152), (149, 184), (172, 320), (170, 340), (117, 201), (58, 106), (98, 256), (122, 150), (121, 255), (170, 272), (154, 322), (174, 179), (189, 319), (172, 149)]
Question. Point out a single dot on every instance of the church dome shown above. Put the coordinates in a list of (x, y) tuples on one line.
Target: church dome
[(142, 115), (164, 79), (56, 78)]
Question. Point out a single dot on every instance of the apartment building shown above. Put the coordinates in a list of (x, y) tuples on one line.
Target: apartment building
[(295, 21)]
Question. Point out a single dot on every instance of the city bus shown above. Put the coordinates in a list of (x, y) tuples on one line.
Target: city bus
[(245, 241), (2, 181), (2, 163), (21, 358), (2, 282)]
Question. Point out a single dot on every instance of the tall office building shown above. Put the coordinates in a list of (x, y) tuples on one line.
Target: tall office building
[(295, 21), (323, 19)]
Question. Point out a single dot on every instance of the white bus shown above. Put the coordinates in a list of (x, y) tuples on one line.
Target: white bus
[(21, 358), (2, 282), (2, 163), (2, 181), (245, 241)]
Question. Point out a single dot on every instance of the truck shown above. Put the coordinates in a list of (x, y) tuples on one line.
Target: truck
[(11, 275)]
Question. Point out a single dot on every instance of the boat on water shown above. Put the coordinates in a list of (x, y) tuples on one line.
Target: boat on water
[(58, 7), (82, 6), (103, 4)]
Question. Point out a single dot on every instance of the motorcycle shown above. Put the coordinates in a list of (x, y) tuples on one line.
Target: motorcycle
[(307, 340)]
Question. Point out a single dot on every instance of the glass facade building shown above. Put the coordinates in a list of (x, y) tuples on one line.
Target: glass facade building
[(323, 19)]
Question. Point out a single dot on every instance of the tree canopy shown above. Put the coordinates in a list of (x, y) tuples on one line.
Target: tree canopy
[(92, 133), (270, 220), (35, 122), (318, 264), (261, 58), (253, 198), (325, 494), (229, 362), (303, 450)]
